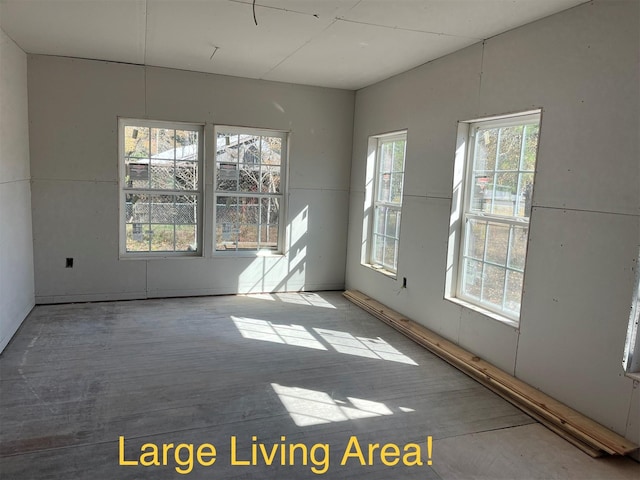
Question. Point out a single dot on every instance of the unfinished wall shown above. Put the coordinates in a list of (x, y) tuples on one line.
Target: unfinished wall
[(581, 67), (16, 240), (73, 109)]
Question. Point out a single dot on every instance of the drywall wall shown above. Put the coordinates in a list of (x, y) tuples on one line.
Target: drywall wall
[(73, 110), (581, 67), (16, 254)]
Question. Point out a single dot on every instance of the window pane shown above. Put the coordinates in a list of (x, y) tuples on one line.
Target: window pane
[(163, 144), (476, 232), (390, 251), (249, 210), (136, 142), (162, 238), (398, 155), (137, 237), (249, 178), (269, 237), (493, 285), (186, 175), (392, 223), (377, 250), (514, 291), (186, 238), (185, 209), (271, 150), (472, 278), (482, 191), (386, 162), (270, 179), (163, 209), (505, 193), (226, 209), (248, 237), (518, 247), (137, 208), (248, 149), (227, 148), (525, 194), (531, 147), (485, 150), (270, 210), (227, 223), (187, 145), (384, 187), (396, 188), (510, 148), (497, 240), (227, 176), (162, 174), (379, 219), (136, 173)]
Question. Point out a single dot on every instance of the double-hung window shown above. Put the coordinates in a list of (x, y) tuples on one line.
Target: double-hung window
[(387, 200), (495, 192), (160, 188), (250, 187)]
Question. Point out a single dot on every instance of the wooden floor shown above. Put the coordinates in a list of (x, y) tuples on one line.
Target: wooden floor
[(308, 369)]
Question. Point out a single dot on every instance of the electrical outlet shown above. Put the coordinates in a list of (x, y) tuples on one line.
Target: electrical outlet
[(69, 263)]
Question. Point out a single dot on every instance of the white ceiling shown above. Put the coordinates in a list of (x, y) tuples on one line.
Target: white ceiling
[(333, 43)]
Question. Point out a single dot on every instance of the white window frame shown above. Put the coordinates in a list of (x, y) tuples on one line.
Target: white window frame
[(461, 214), (123, 190), (282, 195), (372, 203)]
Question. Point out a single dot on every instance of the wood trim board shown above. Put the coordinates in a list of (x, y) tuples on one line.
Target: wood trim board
[(583, 432)]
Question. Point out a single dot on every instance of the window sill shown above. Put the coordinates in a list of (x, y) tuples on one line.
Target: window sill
[(483, 311), (382, 270), (159, 256), (247, 254)]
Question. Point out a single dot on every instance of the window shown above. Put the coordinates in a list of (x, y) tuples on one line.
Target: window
[(249, 189), (494, 188), (160, 188), (631, 359), (387, 200)]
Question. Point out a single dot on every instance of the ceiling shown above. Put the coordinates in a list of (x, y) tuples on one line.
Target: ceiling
[(332, 43)]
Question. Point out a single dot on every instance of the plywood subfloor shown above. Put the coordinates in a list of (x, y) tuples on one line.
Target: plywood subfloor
[(311, 368)]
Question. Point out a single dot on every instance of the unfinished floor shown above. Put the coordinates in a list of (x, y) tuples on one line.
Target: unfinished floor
[(286, 368)]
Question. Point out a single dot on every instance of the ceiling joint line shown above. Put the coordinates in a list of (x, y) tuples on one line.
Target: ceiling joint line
[(390, 27), (253, 3), (296, 50)]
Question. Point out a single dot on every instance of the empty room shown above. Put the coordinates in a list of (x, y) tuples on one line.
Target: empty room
[(294, 239)]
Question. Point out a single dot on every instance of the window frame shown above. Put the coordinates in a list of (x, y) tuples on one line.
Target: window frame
[(124, 122), (380, 140), (283, 195), (463, 211)]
